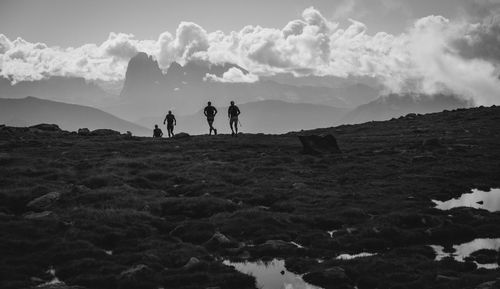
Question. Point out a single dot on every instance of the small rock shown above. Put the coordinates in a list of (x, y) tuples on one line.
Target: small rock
[(488, 285), (315, 144), (83, 131), (44, 202), (423, 159), (140, 271), (41, 215), (299, 186), (193, 262), (278, 244)]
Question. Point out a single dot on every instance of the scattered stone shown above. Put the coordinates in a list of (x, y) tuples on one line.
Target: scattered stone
[(46, 127), (60, 285), (299, 186), (137, 272), (192, 263), (488, 285), (278, 245), (40, 215), (446, 278), (315, 144), (44, 202), (181, 135), (104, 132), (83, 131)]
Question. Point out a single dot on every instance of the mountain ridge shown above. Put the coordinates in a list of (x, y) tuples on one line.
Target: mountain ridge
[(32, 110)]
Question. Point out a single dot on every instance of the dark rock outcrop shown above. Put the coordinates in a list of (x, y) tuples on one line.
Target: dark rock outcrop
[(315, 144), (104, 132), (181, 135), (83, 131), (46, 127)]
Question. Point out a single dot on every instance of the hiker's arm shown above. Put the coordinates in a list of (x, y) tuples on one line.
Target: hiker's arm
[(175, 121), (229, 112), (205, 111), (215, 111), (165, 119), (238, 111)]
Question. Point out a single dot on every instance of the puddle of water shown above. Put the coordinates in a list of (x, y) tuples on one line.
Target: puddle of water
[(464, 250), (108, 252), (477, 199), (271, 275), (350, 257)]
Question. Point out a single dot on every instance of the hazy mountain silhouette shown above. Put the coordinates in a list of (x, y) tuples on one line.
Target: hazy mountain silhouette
[(148, 92), (66, 89), (31, 110), (395, 105), (268, 116)]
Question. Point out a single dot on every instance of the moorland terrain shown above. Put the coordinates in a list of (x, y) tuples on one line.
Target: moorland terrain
[(129, 212)]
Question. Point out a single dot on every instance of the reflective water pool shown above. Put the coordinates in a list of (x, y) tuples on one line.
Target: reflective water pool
[(477, 199), (271, 275), (464, 250)]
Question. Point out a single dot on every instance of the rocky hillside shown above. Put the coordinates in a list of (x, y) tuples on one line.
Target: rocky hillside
[(127, 212)]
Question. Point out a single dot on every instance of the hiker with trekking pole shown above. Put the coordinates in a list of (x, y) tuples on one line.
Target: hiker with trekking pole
[(232, 113)]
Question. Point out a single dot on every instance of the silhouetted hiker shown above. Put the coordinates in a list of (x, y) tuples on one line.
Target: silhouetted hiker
[(157, 132), (210, 112), (232, 112), (171, 121)]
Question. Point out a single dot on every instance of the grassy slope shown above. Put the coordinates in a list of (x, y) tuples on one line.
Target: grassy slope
[(158, 202)]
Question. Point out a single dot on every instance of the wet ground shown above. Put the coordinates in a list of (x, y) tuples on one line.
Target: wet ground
[(122, 212)]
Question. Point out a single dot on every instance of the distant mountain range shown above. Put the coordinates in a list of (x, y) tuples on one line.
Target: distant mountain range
[(31, 110), (274, 104), (184, 89)]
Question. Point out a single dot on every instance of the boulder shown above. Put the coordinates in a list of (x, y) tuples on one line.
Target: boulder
[(83, 131), (181, 135), (46, 127), (315, 144), (104, 132), (44, 202)]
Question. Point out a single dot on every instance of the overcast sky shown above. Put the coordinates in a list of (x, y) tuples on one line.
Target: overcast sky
[(73, 23), (427, 46)]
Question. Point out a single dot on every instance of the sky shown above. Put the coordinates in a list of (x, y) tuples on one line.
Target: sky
[(73, 23), (426, 46)]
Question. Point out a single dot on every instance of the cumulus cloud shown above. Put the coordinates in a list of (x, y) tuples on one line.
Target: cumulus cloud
[(435, 54), (233, 75)]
